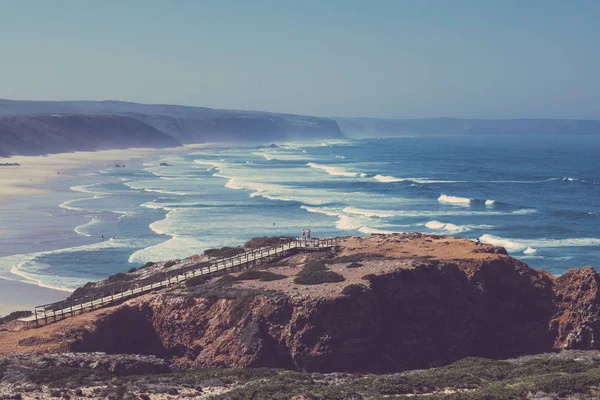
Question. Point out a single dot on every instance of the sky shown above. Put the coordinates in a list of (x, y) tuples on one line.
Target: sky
[(380, 59)]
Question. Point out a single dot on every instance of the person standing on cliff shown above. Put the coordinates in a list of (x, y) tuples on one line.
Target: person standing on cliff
[(308, 233), (303, 234)]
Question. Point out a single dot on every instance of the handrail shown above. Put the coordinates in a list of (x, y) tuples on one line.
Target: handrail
[(44, 311)]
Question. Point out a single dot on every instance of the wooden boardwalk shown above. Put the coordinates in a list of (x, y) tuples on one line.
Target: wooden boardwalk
[(55, 311)]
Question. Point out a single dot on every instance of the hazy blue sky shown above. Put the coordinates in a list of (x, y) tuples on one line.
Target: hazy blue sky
[(480, 59)]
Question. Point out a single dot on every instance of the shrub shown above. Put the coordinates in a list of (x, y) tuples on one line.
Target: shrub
[(250, 275), (15, 315), (318, 277), (147, 265), (358, 257), (316, 272), (131, 270), (314, 266), (263, 276), (354, 265), (224, 252), (354, 289), (265, 241), (197, 280), (227, 278), (121, 277), (267, 276)]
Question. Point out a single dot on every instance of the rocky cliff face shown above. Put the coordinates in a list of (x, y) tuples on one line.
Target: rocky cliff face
[(43, 134), (432, 301)]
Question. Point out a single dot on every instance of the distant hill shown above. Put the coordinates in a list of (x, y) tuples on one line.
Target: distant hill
[(191, 124), (43, 134), (370, 127)]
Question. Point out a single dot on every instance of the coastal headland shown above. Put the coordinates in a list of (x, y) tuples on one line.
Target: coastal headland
[(378, 304)]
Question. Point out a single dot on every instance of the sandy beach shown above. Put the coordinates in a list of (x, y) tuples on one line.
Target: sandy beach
[(33, 170), (24, 180)]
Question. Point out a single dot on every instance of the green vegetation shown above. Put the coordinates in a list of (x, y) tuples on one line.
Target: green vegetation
[(354, 289), (197, 280), (224, 252), (358, 257), (147, 265), (15, 315), (258, 242), (315, 273), (263, 276), (354, 265), (546, 376)]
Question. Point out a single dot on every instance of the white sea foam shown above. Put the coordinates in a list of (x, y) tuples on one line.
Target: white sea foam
[(490, 203), (532, 244), (321, 210), (388, 178), (83, 229), (437, 225), (182, 246), (26, 268), (340, 157), (266, 156), (463, 201), (366, 229), (369, 213), (334, 171), (391, 179), (68, 205), (529, 250), (347, 223)]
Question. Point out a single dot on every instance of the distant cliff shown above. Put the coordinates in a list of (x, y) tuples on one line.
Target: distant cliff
[(371, 127), (44, 134), (187, 124)]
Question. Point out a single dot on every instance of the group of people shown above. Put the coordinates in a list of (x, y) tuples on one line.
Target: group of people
[(305, 234)]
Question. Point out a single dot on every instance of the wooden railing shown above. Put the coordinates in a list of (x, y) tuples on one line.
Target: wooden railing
[(63, 309)]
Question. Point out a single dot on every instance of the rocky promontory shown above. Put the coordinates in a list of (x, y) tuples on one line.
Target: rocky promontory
[(404, 301)]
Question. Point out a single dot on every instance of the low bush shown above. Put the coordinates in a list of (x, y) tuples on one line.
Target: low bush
[(265, 241), (263, 276), (354, 289), (314, 266), (354, 265), (358, 257), (316, 272), (227, 278), (267, 276), (15, 315), (318, 277), (147, 265), (224, 252), (120, 277), (197, 280), (131, 270), (250, 275)]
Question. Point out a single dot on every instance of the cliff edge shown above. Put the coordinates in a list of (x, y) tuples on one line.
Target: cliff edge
[(403, 301)]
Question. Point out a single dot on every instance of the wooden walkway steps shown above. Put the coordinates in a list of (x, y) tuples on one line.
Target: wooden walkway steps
[(52, 312)]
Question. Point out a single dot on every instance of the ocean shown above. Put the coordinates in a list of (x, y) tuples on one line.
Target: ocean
[(539, 197)]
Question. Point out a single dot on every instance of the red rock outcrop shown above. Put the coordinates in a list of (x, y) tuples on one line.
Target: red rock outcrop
[(415, 312)]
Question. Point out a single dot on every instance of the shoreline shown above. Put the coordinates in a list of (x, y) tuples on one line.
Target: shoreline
[(23, 180), (36, 171)]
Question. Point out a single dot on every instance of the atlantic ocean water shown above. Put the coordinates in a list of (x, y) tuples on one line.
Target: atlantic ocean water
[(538, 196)]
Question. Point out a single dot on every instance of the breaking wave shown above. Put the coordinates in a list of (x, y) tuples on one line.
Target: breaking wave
[(464, 201)]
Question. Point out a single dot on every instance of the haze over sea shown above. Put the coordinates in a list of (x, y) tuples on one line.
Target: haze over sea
[(536, 196)]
